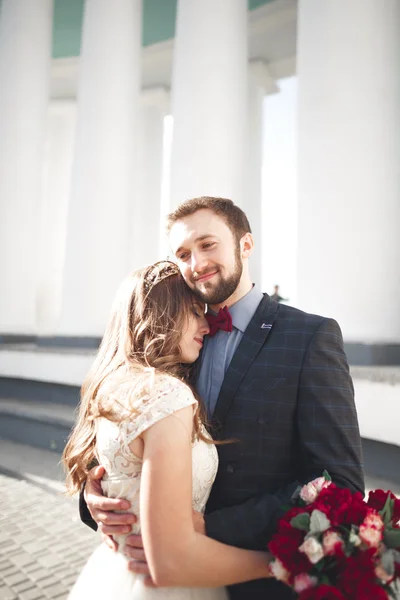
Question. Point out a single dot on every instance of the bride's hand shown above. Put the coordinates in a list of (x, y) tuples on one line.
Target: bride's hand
[(102, 508)]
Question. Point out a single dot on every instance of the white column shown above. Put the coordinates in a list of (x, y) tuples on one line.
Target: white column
[(209, 100), (349, 165), (103, 197), (260, 83), (54, 211), (146, 243), (25, 48)]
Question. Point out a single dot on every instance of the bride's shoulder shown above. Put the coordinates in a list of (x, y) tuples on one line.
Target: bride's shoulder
[(166, 387), (137, 389)]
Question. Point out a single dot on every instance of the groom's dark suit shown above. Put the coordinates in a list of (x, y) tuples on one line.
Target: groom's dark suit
[(287, 397)]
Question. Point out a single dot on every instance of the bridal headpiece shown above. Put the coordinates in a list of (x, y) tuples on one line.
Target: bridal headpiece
[(159, 271)]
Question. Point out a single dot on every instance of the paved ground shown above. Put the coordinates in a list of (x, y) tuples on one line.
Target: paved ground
[(43, 544)]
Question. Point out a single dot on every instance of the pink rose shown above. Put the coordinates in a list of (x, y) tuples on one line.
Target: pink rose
[(373, 520), (370, 536), (310, 492), (331, 542), (304, 582), (312, 549), (278, 571)]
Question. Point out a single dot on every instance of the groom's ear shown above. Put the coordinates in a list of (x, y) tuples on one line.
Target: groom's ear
[(247, 245)]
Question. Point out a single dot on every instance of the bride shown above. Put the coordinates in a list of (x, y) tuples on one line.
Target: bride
[(140, 418)]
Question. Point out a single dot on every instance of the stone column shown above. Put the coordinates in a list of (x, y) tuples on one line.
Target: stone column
[(53, 213), (103, 198), (209, 100), (146, 243), (260, 83), (25, 49), (349, 165)]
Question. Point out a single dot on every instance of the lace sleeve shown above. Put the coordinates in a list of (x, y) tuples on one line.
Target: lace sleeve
[(163, 396)]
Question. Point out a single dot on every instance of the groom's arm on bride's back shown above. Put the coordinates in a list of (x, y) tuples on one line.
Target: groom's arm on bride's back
[(96, 509), (326, 437)]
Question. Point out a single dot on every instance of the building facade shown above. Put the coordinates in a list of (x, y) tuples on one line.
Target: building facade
[(86, 85)]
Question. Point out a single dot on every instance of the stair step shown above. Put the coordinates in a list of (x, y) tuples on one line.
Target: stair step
[(40, 467), (39, 424)]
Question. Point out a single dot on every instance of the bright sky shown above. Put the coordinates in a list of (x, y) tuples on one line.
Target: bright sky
[(279, 217)]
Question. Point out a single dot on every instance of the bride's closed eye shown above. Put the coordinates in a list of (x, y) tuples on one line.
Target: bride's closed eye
[(198, 311)]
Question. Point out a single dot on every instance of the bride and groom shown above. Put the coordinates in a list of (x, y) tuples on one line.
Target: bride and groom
[(279, 403)]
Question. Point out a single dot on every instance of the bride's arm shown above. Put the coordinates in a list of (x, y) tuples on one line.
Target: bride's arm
[(176, 554)]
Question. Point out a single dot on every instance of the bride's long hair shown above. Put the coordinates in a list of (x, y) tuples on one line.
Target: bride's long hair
[(149, 314)]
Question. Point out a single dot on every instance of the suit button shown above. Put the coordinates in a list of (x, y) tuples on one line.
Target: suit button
[(261, 421), (231, 468)]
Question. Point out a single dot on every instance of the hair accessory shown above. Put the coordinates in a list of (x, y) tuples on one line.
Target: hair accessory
[(159, 271)]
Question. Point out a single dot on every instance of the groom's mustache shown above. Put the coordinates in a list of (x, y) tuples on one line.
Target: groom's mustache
[(204, 273)]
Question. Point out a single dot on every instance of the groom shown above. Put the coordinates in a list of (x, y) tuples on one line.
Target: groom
[(278, 382)]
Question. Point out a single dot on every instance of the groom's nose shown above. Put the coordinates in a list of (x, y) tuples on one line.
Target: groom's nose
[(198, 263)]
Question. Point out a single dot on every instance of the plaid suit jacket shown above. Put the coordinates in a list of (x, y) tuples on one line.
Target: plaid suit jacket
[(288, 400)]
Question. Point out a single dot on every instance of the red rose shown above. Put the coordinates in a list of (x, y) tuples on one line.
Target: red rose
[(377, 499), (322, 592), (355, 512), (359, 571), (371, 592), (285, 546), (343, 508)]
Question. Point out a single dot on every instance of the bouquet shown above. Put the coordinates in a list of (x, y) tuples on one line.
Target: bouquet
[(336, 546)]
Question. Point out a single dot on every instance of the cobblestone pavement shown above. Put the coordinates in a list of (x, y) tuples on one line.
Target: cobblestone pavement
[(43, 544)]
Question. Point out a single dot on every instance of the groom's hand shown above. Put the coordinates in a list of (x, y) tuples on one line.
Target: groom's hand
[(134, 550), (102, 509)]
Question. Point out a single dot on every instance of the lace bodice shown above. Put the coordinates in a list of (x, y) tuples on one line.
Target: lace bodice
[(151, 398)]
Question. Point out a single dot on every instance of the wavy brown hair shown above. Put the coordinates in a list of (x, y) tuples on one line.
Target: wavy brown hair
[(149, 313)]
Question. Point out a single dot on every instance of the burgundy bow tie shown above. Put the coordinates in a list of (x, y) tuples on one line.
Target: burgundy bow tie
[(222, 320)]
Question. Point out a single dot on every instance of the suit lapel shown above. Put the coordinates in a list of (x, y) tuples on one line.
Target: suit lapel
[(251, 343)]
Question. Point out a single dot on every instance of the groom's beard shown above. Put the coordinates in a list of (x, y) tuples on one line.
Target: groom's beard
[(219, 291)]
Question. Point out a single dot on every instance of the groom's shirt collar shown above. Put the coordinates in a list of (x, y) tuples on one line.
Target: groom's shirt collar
[(243, 310)]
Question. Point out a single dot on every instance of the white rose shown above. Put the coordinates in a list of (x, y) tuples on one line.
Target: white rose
[(308, 493), (279, 571), (312, 549)]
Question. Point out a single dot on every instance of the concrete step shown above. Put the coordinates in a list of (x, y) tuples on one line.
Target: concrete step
[(43, 425), (40, 467)]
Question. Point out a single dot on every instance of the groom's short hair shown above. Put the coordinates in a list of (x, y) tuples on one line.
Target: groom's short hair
[(233, 216)]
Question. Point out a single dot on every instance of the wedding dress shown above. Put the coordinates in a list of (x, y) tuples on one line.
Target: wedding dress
[(105, 576)]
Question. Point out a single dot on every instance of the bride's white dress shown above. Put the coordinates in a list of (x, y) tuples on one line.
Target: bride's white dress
[(105, 575)]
